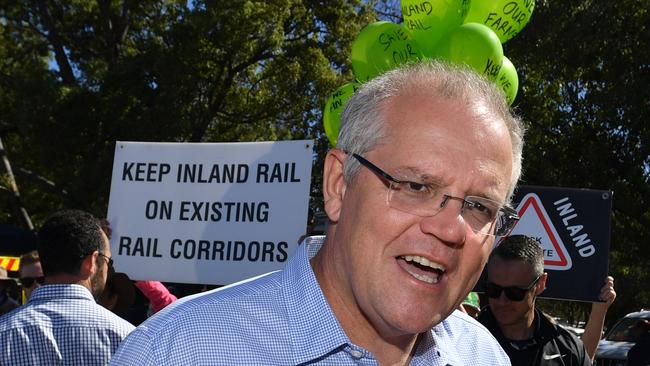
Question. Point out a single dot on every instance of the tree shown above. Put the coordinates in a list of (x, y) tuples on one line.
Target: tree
[(78, 76), (584, 72)]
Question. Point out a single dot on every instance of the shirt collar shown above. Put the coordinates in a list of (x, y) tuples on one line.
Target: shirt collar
[(60, 291), (309, 312)]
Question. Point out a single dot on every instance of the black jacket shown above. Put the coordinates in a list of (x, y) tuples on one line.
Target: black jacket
[(551, 344)]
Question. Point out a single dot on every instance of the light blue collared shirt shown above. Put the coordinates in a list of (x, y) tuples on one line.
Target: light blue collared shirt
[(283, 318), (60, 325)]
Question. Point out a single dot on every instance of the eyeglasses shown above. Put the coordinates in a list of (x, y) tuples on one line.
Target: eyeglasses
[(513, 293), (109, 261), (28, 282), (483, 215)]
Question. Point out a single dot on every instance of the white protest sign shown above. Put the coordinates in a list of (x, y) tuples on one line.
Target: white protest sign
[(209, 213)]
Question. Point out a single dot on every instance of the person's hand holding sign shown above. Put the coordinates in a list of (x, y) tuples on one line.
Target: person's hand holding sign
[(607, 294), (594, 327)]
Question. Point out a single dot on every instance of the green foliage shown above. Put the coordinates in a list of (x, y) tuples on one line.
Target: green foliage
[(76, 76), (584, 72)]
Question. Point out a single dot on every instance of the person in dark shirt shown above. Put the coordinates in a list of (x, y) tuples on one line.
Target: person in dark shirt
[(515, 277)]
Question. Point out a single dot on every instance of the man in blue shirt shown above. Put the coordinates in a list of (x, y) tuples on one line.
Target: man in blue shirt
[(61, 323), (415, 192)]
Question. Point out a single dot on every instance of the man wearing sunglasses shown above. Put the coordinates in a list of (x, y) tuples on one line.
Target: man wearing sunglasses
[(31, 273), (61, 323), (515, 277), (415, 192)]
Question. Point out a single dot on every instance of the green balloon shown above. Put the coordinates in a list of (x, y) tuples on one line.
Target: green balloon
[(428, 21), (359, 48), (380, 47), (505, 17), (508, 80), (475, 45), (333, 109)]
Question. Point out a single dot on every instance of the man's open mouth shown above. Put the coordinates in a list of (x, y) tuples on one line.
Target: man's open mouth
[(421, 268)]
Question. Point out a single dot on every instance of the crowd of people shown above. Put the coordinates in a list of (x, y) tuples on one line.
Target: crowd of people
[(416, 193)]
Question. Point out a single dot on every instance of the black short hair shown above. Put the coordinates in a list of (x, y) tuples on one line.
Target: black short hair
[(523, 248), (66, 238)]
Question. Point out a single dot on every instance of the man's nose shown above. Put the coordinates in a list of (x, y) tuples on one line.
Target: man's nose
[(447, 224)]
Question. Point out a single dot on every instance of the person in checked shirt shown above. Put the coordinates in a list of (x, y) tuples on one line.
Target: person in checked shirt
[(61, 324)]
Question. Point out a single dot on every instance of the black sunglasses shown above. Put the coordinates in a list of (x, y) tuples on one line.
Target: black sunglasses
[(29, 281), (513, 293)]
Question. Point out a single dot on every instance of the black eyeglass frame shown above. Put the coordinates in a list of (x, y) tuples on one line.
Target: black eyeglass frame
[(506, 220), (109, 262), (513, 293)]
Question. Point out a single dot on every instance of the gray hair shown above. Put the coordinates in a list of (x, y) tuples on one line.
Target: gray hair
[(363, 124), (521, 248)]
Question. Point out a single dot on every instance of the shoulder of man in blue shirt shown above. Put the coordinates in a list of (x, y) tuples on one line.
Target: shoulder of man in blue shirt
[(470, 337), (233, 299), (216, 325), (60, 323), (63, 305)]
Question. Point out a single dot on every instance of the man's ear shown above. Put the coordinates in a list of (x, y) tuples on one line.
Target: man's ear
[(89, 265), (334, 184), (540, 286)]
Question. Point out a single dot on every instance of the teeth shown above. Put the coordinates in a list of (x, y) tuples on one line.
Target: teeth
[(424, 262), (427, 263), (423, 278)]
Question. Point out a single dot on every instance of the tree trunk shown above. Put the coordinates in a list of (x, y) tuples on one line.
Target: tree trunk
[(21, 212)]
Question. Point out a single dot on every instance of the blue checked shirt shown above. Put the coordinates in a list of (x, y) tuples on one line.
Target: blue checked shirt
[(60, 325), (282, 318)]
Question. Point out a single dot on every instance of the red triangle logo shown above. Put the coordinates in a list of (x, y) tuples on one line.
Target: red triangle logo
[(535, 222)]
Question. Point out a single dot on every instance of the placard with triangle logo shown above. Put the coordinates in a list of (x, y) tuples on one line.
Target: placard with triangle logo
[(535, 222)]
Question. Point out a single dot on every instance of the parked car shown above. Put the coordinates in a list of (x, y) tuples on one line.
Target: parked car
[(577, 329), (612, 349)]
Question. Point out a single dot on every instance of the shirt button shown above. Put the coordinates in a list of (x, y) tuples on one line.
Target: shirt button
[(356, 354)]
